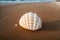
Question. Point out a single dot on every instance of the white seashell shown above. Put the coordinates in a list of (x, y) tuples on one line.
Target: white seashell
[(30, 21)]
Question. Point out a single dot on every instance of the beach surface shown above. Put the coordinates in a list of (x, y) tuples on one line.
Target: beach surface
[(10, 15)]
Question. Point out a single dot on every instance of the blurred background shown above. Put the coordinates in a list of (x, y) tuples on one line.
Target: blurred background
[(31, 0), (3, 2)]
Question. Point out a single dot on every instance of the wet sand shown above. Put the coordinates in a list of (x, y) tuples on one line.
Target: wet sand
[(10, 14)]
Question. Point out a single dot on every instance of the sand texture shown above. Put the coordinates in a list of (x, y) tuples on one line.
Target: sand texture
[(10, 15)]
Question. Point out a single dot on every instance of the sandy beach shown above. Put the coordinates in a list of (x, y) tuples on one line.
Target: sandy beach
[(10, 15)]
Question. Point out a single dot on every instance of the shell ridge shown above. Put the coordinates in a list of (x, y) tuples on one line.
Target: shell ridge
[(30, 21)]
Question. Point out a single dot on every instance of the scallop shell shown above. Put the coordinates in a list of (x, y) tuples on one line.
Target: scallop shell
[(30, 21)]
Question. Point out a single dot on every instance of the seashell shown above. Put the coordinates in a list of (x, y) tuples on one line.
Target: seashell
[(30, 21)]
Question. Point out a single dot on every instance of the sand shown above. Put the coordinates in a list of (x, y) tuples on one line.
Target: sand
[(10, 15)]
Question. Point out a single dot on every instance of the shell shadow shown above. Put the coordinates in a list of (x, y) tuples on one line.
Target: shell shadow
[(51, 26)]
